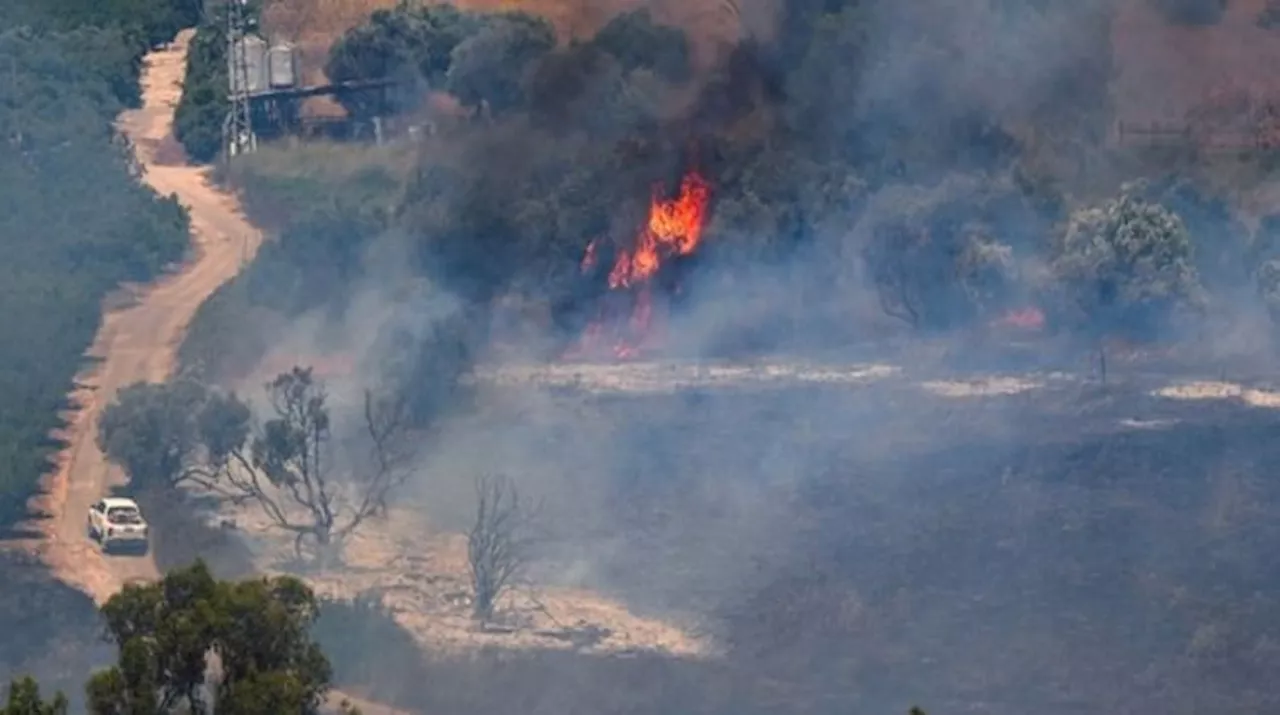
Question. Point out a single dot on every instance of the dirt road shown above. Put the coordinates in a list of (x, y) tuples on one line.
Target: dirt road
[(140, 340)]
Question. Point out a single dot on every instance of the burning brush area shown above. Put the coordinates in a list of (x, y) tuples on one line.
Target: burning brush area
[(681, 492), (628, 322)]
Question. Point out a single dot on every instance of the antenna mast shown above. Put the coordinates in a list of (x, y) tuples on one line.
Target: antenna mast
[(240, 137)]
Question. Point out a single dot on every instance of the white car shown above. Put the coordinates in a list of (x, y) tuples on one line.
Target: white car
[(117, 522)]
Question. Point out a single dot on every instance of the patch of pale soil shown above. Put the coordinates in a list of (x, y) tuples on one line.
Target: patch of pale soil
[(421, 576), (1216, 390), (1134, 423), (668, 377), (981, 387)]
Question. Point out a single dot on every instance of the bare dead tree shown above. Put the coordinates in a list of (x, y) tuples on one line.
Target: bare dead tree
[(497, 546), (290, 470)]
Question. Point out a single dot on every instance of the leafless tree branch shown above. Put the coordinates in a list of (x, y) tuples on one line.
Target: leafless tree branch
[(287, 466), (498, 543)]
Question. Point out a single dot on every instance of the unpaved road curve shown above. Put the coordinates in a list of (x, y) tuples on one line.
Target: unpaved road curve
[(140, 341)]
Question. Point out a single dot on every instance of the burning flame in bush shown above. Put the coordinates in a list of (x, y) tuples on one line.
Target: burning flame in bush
[(674, 229)]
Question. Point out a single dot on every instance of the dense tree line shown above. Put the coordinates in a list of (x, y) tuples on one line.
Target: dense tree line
[(490, 60), (75, 219), (135, 26)]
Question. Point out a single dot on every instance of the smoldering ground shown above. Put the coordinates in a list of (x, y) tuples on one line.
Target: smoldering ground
[(1061, 548), (854, 537)]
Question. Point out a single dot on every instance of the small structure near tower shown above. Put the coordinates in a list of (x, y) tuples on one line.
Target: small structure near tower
[(282, 66), (263, 88)]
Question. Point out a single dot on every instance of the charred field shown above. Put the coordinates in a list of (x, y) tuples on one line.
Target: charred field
[(996, 543)]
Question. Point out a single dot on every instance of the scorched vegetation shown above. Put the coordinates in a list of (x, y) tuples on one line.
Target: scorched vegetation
[(942, 173)]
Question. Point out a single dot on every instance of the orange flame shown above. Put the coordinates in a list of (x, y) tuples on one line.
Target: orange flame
[(674, 229)]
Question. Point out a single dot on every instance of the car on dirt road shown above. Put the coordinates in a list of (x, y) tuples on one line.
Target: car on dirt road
[(117, 523)]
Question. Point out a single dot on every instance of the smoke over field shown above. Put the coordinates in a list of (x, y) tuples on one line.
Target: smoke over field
[(841, 348)]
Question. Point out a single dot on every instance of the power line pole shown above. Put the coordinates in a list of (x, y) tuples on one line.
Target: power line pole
[(240, 136)]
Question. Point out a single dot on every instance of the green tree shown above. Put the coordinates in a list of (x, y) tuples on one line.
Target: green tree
[(256, 632), (149, 430), (582, 88), (24, 699), (412, 45), (640, 43), (163, 434), (408, 39), (135, 25), (1125, 263), (489, 68)]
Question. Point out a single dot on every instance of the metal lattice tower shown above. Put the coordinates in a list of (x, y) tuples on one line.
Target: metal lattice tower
[(239, 129)]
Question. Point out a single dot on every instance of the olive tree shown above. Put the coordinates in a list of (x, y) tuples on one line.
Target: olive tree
[(640, 43), (167, 633), (935, 254), (489, 68), (1124, 264)]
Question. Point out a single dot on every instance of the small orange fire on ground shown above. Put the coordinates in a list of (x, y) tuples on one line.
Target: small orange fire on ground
[(674, 229)]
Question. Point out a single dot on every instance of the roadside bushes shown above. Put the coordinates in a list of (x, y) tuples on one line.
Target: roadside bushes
[(75, 220)]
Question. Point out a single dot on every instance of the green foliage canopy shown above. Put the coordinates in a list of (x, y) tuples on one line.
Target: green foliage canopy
[(1125, 260), (257, 633), (24, 699), (158, 432), (640, 43), (489, 67)]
